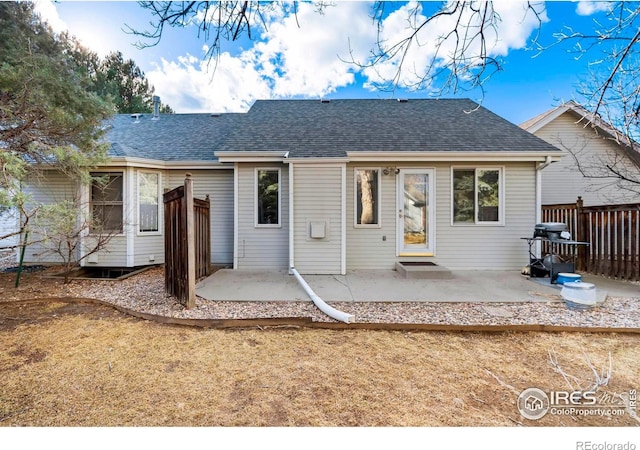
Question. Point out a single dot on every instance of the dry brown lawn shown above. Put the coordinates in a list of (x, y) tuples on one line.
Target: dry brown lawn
[(85, 365)]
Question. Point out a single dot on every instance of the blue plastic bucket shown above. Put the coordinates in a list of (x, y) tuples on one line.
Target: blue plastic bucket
[(568, 278)]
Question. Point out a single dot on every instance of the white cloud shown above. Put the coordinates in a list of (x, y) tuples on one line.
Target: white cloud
[(587, 8), (48, 12), (434, 44), (188, 86), (304, 56), (288, 60)]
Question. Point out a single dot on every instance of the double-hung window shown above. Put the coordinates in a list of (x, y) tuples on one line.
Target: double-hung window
[(478, 196), (267, 194), (148, 202), (106, 202)]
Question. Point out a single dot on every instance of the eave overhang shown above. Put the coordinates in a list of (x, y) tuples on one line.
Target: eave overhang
[(452, 156), (264, 156), (128, 161)]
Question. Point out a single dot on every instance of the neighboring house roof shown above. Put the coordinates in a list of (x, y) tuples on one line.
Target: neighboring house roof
[(172, 137), (322, 129), (587, 119), (313, 128)]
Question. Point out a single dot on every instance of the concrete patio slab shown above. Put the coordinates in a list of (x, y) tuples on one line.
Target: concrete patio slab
[(379, 286)]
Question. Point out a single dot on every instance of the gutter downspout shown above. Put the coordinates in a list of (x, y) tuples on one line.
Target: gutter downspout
[(320, 304), (539, 169), (291, 265)]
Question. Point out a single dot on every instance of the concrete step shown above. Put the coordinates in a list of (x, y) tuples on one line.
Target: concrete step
[(423, 270)]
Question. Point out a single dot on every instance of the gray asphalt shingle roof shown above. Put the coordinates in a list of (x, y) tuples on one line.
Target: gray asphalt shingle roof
[(311, 128), (174, 137)]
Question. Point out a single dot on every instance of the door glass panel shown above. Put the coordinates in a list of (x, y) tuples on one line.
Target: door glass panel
[(416, 205)]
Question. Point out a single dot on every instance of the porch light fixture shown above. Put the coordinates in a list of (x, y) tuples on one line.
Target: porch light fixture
[(390, 170)]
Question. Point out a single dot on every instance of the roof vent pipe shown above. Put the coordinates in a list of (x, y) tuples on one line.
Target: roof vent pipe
[(156, 108)]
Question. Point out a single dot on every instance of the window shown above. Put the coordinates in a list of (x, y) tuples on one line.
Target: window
[(148, 194), (267, 197), (477, 196), (367, 201), (106, 202)]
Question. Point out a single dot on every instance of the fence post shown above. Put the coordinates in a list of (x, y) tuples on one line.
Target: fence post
[(581, 232), (191, 246)]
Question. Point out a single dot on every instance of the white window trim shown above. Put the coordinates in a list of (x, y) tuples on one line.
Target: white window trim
[(501, 204), (255, 198), (160, 211), (355, 199), (124, 200)]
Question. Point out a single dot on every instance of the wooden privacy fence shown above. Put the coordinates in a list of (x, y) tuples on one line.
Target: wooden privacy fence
[(187, 242), (613, 234)]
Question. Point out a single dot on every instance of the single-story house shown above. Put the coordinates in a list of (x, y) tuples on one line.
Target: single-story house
[(326, 186), (590, 145)]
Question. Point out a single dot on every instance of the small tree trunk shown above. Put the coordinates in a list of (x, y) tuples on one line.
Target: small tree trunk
[(366, 197)]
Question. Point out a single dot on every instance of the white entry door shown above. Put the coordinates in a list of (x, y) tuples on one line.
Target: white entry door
[(416, 230)]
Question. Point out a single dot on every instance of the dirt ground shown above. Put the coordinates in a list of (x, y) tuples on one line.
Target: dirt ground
[(78, 364)]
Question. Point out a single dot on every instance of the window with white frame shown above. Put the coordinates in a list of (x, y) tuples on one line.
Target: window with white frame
[(267, 197), (106, 202), (148, 202), (367, 197), (478, 196)]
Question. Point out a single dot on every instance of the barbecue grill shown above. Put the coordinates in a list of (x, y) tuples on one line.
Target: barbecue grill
[(551, 230)]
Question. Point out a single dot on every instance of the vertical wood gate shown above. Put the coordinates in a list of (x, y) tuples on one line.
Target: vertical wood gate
[(187, 242)]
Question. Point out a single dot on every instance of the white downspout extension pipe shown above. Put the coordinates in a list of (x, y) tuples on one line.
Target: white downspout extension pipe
[(321, 304)]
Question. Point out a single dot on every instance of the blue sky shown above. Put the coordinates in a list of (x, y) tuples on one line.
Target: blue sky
[(308, 62)]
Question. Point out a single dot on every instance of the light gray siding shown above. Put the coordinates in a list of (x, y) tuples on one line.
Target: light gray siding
[(218, 185), (562, 182), (261, 248), (317, 203), (55, 187), (487, 247), (114, 254), (9, 223), (52, 187), (460, 247), (372, 248)]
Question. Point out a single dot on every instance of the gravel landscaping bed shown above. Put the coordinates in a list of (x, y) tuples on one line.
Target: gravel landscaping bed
[(145, 293)]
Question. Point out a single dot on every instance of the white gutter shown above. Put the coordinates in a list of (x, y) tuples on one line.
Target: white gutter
[(430, 156), (322, 306), (129, 161)]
